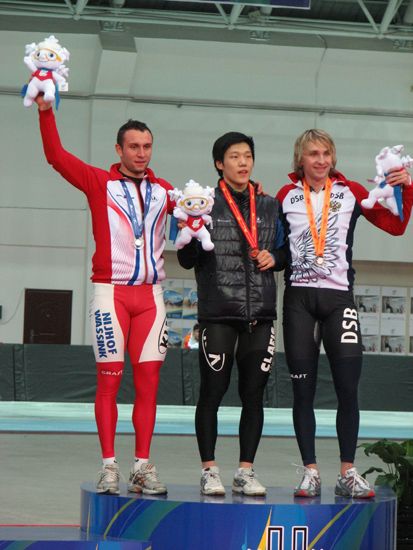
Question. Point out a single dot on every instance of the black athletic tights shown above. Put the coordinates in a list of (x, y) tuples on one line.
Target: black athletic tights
[(311, 315), (253, 347)]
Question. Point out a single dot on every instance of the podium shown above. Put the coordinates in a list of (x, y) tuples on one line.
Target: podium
[(186, 520), (61, 538)]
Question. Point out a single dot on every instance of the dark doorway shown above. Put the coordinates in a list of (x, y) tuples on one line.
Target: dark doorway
[(47, 316)]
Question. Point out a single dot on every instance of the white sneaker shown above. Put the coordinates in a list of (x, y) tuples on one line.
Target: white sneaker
[(145, 480), (352, 485), (310, 485), (108, 481), (211, 483), (246, 482)]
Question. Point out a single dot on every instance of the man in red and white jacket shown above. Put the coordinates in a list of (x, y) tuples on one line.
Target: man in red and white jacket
[(320, 208), (129, 207)]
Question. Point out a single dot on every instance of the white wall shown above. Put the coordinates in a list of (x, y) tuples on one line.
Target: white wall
[(45, 239)]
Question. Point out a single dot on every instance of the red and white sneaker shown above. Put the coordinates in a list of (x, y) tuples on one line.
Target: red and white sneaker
[(352, 485), (310, 485), (145, 479), (108, 481)]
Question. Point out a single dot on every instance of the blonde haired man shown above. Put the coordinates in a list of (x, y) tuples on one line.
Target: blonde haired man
[(321, 207)]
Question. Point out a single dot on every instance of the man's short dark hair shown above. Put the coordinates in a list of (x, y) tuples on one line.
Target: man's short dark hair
[(224, 142), (131, 125)]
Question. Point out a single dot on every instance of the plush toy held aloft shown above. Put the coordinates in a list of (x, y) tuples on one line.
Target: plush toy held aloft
[(45, 60), (389, 157), (193, 206)]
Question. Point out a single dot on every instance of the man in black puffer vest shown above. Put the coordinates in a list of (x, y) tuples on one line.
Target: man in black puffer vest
[(236, 307)]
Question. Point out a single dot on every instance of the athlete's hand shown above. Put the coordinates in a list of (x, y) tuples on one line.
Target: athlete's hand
[(265, 260), (260, 188), (42, 104), (398, 176)]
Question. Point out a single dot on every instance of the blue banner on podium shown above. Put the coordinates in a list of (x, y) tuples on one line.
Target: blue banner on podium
[(186, 520), (73, 545)]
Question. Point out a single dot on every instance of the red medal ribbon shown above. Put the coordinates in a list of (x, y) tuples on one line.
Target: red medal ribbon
[(319, 239), (250, 234)]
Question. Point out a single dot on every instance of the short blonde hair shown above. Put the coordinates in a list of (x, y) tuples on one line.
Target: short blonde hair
[(311, 136)]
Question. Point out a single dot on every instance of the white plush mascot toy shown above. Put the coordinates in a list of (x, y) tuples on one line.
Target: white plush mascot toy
[(193, 206), (389, 157), (45, 61)]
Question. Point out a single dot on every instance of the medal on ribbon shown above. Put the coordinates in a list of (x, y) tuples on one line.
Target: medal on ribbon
[(253, 253), (137, 227), (319, 238), (139, 242), (250, 233)]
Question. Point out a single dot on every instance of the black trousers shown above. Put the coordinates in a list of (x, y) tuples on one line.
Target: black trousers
[(312, 315), (253, 346)]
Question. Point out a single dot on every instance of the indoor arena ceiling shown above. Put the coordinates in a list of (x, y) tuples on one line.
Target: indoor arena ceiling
[(360, 24)]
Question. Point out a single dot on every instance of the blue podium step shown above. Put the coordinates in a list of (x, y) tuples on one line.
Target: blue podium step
[(186, 520), (60, 538)]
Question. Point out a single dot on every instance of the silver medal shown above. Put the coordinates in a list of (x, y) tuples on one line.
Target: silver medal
[(319, 260), (138, 242)]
